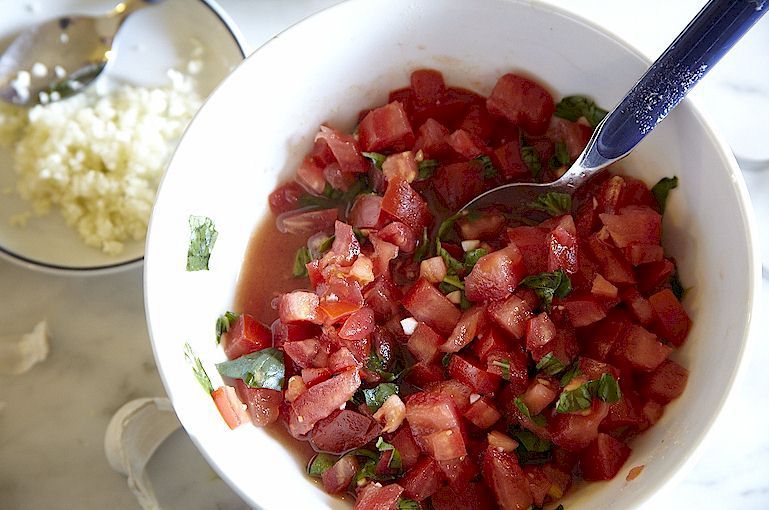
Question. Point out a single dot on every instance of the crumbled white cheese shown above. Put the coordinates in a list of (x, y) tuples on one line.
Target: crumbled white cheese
[(98, 156), (409, 325), (19, 353)]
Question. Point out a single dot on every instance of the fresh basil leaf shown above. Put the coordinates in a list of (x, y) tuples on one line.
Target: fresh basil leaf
[(662, 189), (561, 155), (260, 369), (320, 464), (454, 281), (197, 369), (573, 107), (408, 504), (422, 251), (326, 244), (367, 472), (522, 407), (426, 169), (376, 158), (464, 303), (549, 285), (224, 323), (532, 442), (608, 389), (359, 235), (504, 364), (395, 461), (376, 396), (446, 359), (376, 365), (471, 258), (448, 223), (453, 266), (203, 235), (577, 399), (550, 365), (365, 452), (486, 166), (570, 374), (301, 259), (530, 156), (553, 203)]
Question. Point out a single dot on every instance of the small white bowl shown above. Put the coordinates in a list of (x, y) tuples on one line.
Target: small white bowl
[(151, 42), (253, 131)]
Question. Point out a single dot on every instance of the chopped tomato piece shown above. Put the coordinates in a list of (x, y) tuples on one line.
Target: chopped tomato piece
[(471, 324), (506, 479), (345, 150), (540, 394), (262, 404), (404, 442), (306, 222), (365, 211), (458, 472), (457, 390), (522, 102), (654, 274), (603, 458), (424, 342), (532, 242), (510, 365), (433, 269), (431, 139), (428, 85), (358, 325), (583, 309), (421, 481), (386, 128), (400, 166), (285, 198), (400, 235), (456, 184), (406, 205), (486, 226), (245, 336), (671, 321), (310, 176), (482, 413), (490, 341), (230, 407), (299, 306), (640, 349), (496, 275), (574, 432), (473, 496), (509, 161), (375, 497), (321, 400), (667, 382), (345, 246), (634, 225), (466, 144), (573, 134), (473, 374), (338, 477), (562, 243), (428, 305), (343, 431), (445, 444)]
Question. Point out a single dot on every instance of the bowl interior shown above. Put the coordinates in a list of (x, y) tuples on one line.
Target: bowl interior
[(151, 42), (254, 130)]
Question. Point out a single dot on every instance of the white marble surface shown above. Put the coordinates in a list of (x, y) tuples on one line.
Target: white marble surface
[(52, 426)]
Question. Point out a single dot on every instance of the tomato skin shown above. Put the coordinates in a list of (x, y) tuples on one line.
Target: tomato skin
[(431, 139), (375, 497), (285, 198), (522, 102), (338, 477), (426, 304), (233, 411), (245, 336), (473, 496), (666, 383), (406, 205), (421, 481), (386, 128), (423, 344), (470, 324), (511, 315), (640, 349), (428, 85), (603, 458), (471, 373), (457, 183), (496, 275), (506, 479), (262, 403), (574, 432), (345, 150), (321, 400), (671, 321), (343, 431)]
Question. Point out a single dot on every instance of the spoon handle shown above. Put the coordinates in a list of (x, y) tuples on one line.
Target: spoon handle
[(702, 43)]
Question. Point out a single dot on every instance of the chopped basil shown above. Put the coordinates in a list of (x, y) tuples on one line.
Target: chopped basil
[(531, 158), (224, 323), (553, 203), (532, 442), (395, 461), (550, 365), (453, 281), (320, 464), (408, 504), (366, 473), (570, 374), (301, 259), (446, 224), (486, 166), (326, 244), (427, 169), (359, 235), (453, 266), (203, 235), (364, 452), (446, 359), (573, 107), (376, 396), (608, 389), (260, 369), (522, 407), (549, 285), (472, 256), (561, 157), (505, 366), (332, 197), (198, 370), (376, 158), (423, 249), (577, 399), (662, 189), (464, 303), (376, 365)]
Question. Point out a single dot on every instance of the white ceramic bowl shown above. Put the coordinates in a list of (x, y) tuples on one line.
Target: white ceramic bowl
[(255, 128), (151, 41)]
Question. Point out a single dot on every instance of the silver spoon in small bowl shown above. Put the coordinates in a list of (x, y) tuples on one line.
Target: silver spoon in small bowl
[(60, 57), (715, 29)]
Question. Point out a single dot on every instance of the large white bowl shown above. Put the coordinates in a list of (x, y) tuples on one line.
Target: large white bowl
[(255, 128)]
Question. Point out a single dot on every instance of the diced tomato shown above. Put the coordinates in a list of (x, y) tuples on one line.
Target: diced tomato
[(610, 194), (638, 305), (458, 472), (634, 225), (262, 404), (667, 382), (421, 374), (511, 315), (383, 297), (365, 211), (471, 324), (605, 334), (338, 477), (490, 341), (485, 226), (640, 349), (282, 332), (245, 336), (456, 184), (391, 414), (321, 400), (384, 252), (522, 102), (343, 431), (612, 264), (496, 275), (502, 442), (403, 203), (586, 217), (345, 150), (466, 144), (285, 197), (423, 344), (305, 222), (583, 309), (421, 481), (511, 366), (342, 359), (540, 394), (473, 496), (482, 413), (562, 243), (671, 321), (230, 407), (533, 245), (636, 192), (457, 390), (652, 412), (303, 352), (573, 134), (375, 497), (428, 412), (539, 483), (624, 413), (431, 139), (428, 85), (478, 122), (312, 376), (603, 458), (638, 254), (321, 153), (428, 305), (386, 128), (471, 372), (594, 369), (400, 235), (299, 306), (603, 288), (654, 274), (358, 325), (404, 442), (540, 330), (509, 161), (345, 245), (401, 165), (506, 479), (310, 175), (445, 444), (574, 432)]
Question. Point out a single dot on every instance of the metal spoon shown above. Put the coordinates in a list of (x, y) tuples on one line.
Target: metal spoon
[(706, 39), (60, 57)]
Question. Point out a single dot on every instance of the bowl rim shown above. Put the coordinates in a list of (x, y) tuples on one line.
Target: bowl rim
[(687, 461), (113, 267)]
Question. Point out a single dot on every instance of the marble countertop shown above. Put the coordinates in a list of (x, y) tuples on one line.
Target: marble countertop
[(53, 423)]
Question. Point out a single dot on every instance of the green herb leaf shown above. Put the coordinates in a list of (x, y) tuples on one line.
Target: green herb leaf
[(320, 464), (577, 399), (505, 366), (549, 285), (553, 203), (471, 258), (561, 155), (376, 396), (301, 259), (531, 442), (464, 303), (662, 189), (550, 365), (407, 504), (448, 223), (454, 281), (453, 266), (608, 389), (573, 107), (395, 461), (422, 251), (260, 369), (202, 238), (197, 369), (486, 166), (326, 244), (375, 364), (446, 359), (359, 235), (427, 169), (522, 407), (376, 158), (224, 323), (531, 158), (570, 374)]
